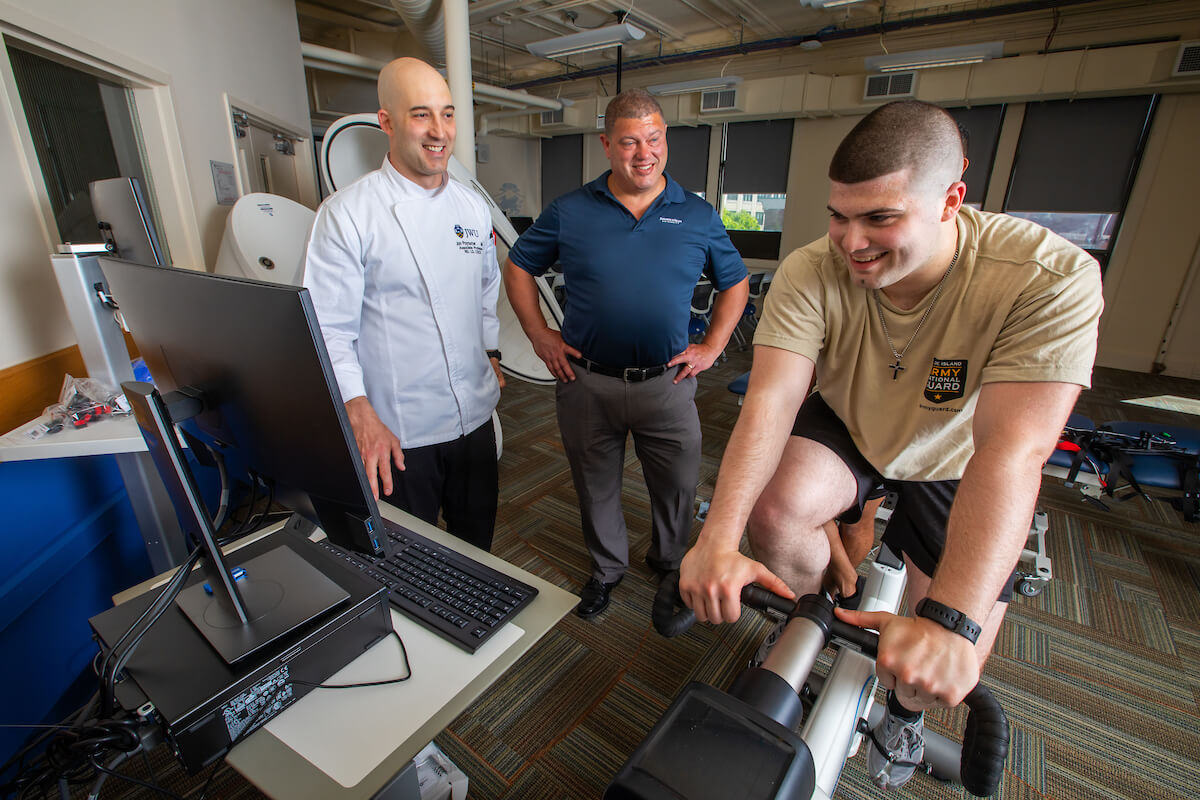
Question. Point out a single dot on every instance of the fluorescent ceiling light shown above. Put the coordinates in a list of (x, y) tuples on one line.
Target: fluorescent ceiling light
[(584, 41), (939, 57), (829, 3), (698, 85)]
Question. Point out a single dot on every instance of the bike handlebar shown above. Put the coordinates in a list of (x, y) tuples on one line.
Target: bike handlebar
[(985, 740)]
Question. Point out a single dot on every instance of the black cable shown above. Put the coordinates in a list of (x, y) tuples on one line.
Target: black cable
[(223, 498), (68, 758), (111, 667), (71, 720), (216, 767), (255, 480), (180, 573), (389, 682), (136, 781)]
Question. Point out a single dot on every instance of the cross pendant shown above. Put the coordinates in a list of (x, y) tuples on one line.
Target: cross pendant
[(896, 369)]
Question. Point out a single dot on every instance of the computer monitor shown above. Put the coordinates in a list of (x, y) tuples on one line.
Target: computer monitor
[(125, 222), (250, 358)]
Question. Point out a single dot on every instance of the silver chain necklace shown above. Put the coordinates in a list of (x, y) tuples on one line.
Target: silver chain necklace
[(896, 368)]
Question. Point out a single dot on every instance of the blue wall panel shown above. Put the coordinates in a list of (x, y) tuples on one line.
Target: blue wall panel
[(68, 542)]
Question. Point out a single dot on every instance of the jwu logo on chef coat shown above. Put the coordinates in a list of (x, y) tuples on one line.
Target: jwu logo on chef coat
[(469, 240)]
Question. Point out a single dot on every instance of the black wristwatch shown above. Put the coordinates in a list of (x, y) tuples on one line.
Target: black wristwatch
[(949, 618), (493, 354)]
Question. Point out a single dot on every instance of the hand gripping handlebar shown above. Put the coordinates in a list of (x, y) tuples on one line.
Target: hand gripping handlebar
[(986, 738)]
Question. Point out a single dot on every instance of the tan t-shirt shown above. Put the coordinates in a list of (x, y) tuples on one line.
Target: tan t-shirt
[(1022, 304)]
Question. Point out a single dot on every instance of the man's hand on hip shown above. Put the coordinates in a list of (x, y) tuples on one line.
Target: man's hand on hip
[(711, 581), (695, 359), (550, 348), (927, 665), (379, 447)]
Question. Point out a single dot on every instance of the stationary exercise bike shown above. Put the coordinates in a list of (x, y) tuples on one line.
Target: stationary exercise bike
[(713, 744)]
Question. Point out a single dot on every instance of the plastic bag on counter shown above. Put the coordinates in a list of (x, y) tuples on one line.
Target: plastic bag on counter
[(81, 401)]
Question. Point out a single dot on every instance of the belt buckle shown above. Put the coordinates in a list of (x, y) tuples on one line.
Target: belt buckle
[(639, 372)]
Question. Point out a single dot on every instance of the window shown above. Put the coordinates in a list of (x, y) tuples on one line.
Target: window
[(562, 166), (754, 171), (687, 157), (1075, 165), (981, 125), (84, 129)]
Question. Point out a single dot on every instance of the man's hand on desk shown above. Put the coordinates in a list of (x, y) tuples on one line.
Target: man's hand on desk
[(379, 447)]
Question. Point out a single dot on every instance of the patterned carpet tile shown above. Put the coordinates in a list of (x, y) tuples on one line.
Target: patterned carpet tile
[(1088, 773), (1177, 581), (488, 762), (531, 707), (1084, 714), (1079, 653)]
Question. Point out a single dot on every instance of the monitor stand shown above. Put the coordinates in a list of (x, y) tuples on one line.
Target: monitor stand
[(263, 599), (273, 604)]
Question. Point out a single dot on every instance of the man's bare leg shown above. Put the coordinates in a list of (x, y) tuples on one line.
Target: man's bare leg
[(810, 487)]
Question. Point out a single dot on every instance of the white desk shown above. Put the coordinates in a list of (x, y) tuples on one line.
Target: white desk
[(105, 437), (282, 772)]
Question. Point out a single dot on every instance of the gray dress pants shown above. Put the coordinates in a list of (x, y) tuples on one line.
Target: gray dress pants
[(595, 414)]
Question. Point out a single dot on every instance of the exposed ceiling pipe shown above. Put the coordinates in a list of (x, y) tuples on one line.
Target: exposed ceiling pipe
[(510, 96), (424, 20), (782, 42), (340, 69), (327, 55), (331, 60)]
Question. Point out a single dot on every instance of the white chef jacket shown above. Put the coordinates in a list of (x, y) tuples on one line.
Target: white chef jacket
[(404, 281)]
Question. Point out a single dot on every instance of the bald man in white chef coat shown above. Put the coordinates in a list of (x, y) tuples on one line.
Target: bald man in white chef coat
[(402, 269)]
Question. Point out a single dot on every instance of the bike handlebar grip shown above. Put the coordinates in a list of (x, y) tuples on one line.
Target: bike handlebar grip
[(985, 743), (756, 596), (670, 616)]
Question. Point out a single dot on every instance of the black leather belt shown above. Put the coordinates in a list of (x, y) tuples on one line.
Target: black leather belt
[(627, 374)]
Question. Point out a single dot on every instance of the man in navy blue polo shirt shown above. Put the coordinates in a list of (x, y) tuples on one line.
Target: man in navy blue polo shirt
[(632, 244)]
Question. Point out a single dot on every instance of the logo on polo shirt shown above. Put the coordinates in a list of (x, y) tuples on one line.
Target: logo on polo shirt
[(947, 380), (670, 220), (458, 231)]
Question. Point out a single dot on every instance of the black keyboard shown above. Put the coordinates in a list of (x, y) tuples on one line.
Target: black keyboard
[(454, 596)]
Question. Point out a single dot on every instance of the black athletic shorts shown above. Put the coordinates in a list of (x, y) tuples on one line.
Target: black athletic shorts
[(917, 527)]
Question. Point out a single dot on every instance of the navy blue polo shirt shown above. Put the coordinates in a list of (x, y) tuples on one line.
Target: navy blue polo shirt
[(629, 281)]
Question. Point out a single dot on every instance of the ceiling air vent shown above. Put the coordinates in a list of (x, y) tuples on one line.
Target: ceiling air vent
[(890, 85), (550, 118), (1187, 63), (719, 100)]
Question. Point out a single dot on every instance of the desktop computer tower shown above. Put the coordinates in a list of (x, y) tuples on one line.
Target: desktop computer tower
[(204, 704)]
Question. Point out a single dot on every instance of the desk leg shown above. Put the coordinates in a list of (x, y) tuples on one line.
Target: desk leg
[(154, 512), (403, 786)]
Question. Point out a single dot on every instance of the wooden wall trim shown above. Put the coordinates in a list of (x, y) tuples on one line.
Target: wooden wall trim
[(28, 388)]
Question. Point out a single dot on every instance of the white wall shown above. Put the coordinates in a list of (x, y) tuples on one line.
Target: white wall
[(512, 174), (190, 56)]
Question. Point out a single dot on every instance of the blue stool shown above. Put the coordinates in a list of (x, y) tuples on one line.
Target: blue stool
[(738, 386)]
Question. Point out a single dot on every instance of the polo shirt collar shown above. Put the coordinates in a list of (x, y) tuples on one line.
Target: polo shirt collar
[(673, 193)]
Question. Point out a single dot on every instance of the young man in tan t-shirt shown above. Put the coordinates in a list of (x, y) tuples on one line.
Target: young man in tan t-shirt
[(949, 346)]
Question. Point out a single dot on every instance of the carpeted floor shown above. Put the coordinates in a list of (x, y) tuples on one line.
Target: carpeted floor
[(1100, 674)]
